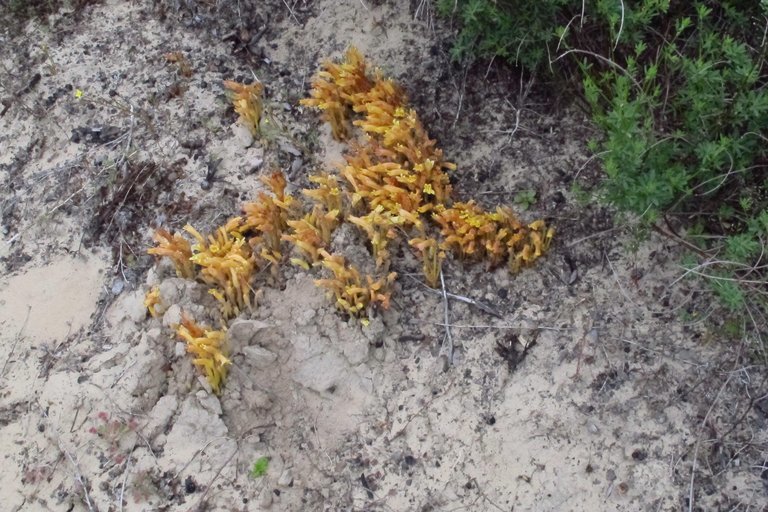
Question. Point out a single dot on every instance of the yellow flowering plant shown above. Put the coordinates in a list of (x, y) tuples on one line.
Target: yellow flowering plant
[(209, 348)]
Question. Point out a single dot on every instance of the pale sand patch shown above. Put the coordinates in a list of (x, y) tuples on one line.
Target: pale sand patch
[(59, 299)]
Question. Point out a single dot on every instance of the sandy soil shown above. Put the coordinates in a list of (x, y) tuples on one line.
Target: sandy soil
[(630, 397)]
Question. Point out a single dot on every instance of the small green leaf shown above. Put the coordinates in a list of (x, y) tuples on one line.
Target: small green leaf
[(260, 467), (745, 202), (525, 198)]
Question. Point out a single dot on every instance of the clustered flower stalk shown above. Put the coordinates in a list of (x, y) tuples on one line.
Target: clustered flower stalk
[(209, 348), (248, 103)]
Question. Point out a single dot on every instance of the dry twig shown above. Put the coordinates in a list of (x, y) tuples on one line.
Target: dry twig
[(15, 342), (698, 442), (446, 349)]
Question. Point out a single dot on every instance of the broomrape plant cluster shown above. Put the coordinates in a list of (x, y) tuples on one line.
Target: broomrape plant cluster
[(248, 103), (399, 178), (394, 187), (209, 349)]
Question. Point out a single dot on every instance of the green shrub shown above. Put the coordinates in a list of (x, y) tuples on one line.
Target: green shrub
[(515, 30), (684, 137), (679, 91)]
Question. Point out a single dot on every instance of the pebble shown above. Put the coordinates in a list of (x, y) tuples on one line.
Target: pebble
[(244, 331), (260, 357), (172, 316), (286, 478), (265, 498)]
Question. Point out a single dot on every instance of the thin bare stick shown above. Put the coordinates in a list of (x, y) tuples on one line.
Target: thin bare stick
[(660, 352), (15, 342), (292, 13), (215, 477), (596, 155), (724, 179), (604, 59), (616, 277), (679, 240), (446, 349), (79, 478), (422, 7), (539, 327), (593, 235), (467, 300), (730, 279), (621, 25), (120, 263), (125, 478), (461, 89), (697, 270), (698, 441), (565, 31), (521, 98)]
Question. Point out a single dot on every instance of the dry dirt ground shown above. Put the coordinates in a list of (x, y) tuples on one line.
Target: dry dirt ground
[(630, 397)]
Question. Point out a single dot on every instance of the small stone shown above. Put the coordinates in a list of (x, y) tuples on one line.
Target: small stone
[(265, 498), (304, 316), (286, 147), (172, 316), (189, 485), (286, 478), (374, 332), (255, 164), (296, 166), (243, 332), (322, 372), (356, 351), (152, 277), (243, 136), (161, 415), (118, 285), (171, 290), (259, 357)]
